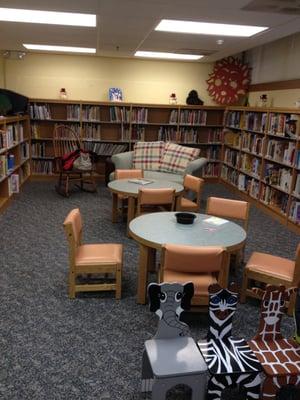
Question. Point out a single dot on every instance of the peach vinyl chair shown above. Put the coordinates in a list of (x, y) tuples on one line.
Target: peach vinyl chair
[(203, 266), (273, 270), (152, 200), (194, 185), (232, 209), (91, 259), (124, 174)]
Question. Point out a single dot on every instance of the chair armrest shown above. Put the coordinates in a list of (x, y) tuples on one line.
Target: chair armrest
[(194, 167), (123, 160)]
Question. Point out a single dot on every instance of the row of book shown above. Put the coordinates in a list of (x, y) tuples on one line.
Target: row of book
[(254, 121), (38, 149), (39, 111), (274, 198), (140, 115), (232, 139), (91, 131), (73, 112), (90, 113), (230, 175), (277, 176), (248, 185), (44, 167), (252, 143), (251, 165), (193, 117), (232, 119), (107, 149), (283, 152), (12, 135), (294, 211), (232, 157), (213, 153), (211, 170), (119, 114), (7, 164), (296, 190), (284, 125), (13, 184)]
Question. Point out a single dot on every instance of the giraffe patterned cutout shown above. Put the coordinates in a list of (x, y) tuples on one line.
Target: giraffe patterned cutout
[(280, 357)]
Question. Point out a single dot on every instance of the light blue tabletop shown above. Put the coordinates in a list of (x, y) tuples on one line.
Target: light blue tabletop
[(124, 186), (156, 229)]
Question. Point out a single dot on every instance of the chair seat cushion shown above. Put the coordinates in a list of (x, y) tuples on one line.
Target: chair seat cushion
[(174, 357), (278, 267), (95, 254), (187, 204), (200, 281)]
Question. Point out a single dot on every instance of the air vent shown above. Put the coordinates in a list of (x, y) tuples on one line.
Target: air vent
[(274, 6), (195, 51)]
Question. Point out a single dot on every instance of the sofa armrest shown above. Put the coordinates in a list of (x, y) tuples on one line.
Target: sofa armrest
[(123, 160), (195, 167)]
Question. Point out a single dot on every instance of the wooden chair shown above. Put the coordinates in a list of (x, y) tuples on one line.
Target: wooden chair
[(65, 140), (104, 258), (171, 357), (151, 200), (269, 269), (203, 266), (122, 199), (192, 185), (233, 209)]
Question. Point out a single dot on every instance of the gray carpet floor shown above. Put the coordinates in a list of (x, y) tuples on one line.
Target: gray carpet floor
[(91, 347)]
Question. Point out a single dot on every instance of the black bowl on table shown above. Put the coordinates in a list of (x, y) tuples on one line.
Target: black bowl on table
[(185, 218)]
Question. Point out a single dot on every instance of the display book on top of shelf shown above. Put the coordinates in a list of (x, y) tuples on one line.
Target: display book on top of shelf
[(14, 155), (108, 128), (262, 157)]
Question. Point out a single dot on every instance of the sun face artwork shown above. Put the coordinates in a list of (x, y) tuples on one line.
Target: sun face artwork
[(228, 81)]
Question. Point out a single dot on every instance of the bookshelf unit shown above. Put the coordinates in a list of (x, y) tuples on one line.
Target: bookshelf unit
[(261, 159), (109, 127), (14, 155)]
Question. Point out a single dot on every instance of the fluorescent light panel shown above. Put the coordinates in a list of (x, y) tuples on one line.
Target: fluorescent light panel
[(207, 28), (171, 56), (47, 17), (67, 49)]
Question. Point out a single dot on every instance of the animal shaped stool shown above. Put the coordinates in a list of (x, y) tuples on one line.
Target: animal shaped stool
[(230, 360)]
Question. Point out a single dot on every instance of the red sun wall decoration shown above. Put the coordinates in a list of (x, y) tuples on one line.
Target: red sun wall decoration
[(229, 80)]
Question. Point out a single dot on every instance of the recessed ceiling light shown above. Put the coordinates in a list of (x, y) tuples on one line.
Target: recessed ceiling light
[(171, 56), (47, 17), (67, 49), (207, 28)]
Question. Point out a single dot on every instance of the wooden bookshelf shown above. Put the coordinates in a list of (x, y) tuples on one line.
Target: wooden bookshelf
[(14, 156), (108, 128), (261, 159)]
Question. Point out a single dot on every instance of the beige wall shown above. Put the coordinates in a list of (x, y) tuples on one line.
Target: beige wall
[(276, 61), (2, 80), (276, 98), (89, 78)]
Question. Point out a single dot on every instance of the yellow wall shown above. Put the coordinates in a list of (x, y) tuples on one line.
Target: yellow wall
[(89, 78), (276, 98), (2, 81)]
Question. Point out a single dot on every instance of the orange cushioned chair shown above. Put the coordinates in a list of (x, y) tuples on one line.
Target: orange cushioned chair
[(233, 209), (272, 270), (125, 174), (151, 200), (195, 185), (91, 259), (203, 266)]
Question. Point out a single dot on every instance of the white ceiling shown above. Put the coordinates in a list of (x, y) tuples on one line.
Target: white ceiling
[(124, 26)]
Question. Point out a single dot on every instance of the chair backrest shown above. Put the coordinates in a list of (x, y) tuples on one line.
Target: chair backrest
[(128, 173), (73, 229), (192, 259), (194, 184), (65, 140), (296, 278), (157, 197), (228, 208)]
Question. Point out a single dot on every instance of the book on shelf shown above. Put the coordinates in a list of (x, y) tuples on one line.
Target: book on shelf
[(294, 212), (3, 165), (140, 115), (193, 117), (91, 131), (13, 184), (211, 170), (24, 149), (173, 117), (73, 112), (297, 185), (90, 113), (41, 111)]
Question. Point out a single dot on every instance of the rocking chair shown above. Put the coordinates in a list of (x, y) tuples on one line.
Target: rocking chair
[(65, 141)]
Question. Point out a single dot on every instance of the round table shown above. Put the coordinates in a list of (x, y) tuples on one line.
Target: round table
[(129, 189), (154, 230)]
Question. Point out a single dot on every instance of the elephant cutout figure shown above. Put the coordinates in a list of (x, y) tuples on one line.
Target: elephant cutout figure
[(231, 362), (172, 357)]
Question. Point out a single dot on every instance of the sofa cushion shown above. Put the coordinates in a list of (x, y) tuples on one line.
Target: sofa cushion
[(147, 155), (176, 158)]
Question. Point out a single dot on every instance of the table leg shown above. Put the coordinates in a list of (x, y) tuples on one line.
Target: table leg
[(130, 212), (151, 260), (143, 274), (114, 213), (177, 202)]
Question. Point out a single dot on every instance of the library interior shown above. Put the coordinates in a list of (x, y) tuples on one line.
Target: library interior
[(150, 200)]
